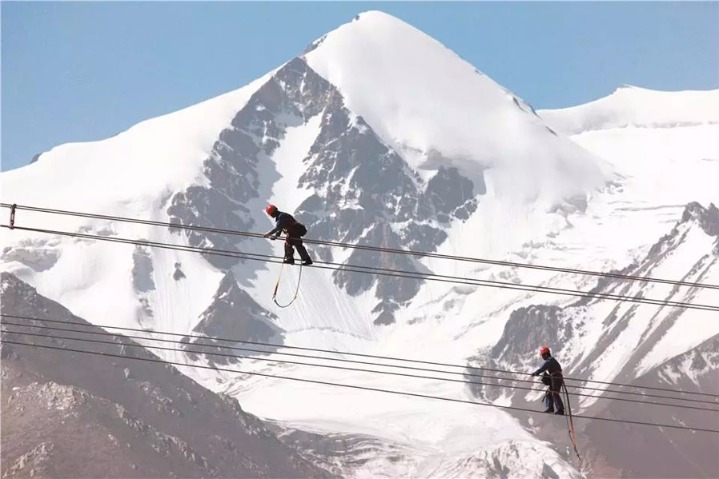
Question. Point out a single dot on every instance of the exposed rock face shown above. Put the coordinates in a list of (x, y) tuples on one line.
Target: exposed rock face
[(566, 329), (69, 414), (232, 315), (362, 191)]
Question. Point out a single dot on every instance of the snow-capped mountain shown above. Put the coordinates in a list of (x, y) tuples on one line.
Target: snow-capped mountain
[(633, 337), (631, 106), (379, 135), (629, 343)]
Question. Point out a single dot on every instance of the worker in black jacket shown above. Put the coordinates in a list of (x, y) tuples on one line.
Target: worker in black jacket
[(286, 223), (553, 378)]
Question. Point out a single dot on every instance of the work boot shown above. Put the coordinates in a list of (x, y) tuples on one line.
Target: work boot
[(289, 261), (549, 410), (307, 262), (560, 412)]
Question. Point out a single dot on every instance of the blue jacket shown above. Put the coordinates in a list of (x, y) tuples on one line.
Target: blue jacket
[(550, 365)]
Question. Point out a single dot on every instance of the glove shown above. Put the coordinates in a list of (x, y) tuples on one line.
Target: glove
[(535, 374)]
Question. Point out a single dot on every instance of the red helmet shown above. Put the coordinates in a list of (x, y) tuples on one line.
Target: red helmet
[(544, 350), (271, 210)]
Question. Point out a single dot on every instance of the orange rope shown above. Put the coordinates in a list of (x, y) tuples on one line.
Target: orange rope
[(277, 285)]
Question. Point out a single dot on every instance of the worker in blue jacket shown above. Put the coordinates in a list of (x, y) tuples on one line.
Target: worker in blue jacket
[(551, 376)]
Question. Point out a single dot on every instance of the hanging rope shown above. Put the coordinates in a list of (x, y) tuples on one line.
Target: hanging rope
[(570, 421), (277, 285)]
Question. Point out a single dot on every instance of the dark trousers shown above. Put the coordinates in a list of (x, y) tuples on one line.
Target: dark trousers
[(294, 241), (553, 398)]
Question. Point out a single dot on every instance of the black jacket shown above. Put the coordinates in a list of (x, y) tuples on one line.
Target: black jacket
[(552, 373), (550, 365), (284, 221)]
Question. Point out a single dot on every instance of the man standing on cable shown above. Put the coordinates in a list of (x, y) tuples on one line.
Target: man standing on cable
[(286, 223), (552, 377)]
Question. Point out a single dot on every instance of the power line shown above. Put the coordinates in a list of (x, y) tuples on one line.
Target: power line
[(354, 386), (315, 350), (370, 248), (280, 361), (385, 271), (412, 275)]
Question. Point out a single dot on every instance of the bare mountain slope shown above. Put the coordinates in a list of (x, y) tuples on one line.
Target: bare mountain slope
[(76, 415)]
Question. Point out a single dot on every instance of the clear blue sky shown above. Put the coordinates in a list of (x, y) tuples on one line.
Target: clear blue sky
[(86, 71)]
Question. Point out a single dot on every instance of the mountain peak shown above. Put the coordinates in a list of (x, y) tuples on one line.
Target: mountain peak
[(707, 218), (377, 16), (430, 105), (626, 86)]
